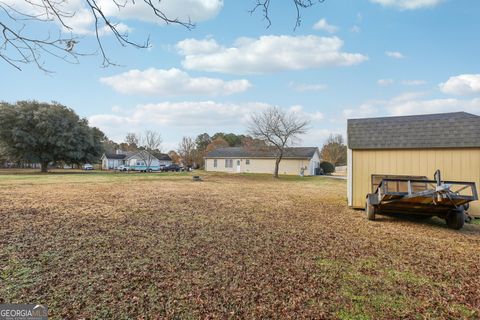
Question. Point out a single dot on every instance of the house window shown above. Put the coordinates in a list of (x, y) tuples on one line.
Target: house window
[(247, 161), (228, 163), (214, 163)]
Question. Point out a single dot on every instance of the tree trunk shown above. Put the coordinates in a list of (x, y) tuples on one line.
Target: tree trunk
[(277, 166), (44, 166)]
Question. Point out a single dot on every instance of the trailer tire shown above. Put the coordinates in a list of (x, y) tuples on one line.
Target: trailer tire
[(455, 219), (370, 211)]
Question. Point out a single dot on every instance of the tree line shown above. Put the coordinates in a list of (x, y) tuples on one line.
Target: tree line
[(46, 133)]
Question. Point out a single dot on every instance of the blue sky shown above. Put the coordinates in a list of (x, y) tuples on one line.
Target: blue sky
[(348, 59)]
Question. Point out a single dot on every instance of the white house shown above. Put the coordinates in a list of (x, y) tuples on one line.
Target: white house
[(136, 159)]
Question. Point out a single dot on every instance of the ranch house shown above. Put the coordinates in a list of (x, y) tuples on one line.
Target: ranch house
[(262, 160), (111, 161)]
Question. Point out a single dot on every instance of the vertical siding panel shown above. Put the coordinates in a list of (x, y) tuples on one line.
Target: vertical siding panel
[(400, 161), (439, 161), (449, 168), (432, 165), (355, 178), (364, 189), (392, 162), (475, 176), (464, 165), (362, 178), (372, 169), (381, 162), (408, 162), (423, 162)]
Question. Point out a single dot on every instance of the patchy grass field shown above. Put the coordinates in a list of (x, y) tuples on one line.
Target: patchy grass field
[(149, 246)]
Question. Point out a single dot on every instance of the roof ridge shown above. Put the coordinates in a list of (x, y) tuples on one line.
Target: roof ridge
[(428, 115)]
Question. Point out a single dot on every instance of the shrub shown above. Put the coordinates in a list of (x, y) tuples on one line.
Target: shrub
[(327, 167)]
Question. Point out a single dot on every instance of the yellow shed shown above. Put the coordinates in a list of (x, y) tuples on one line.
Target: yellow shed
[(414, 146)]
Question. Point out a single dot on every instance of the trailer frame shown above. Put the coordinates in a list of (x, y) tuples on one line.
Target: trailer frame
[(446, 199)]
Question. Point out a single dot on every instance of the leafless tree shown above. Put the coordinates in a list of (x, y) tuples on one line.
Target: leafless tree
[(132, 139), (150, 142), (278, 129), (264, 7), (187, 151), (20, 25)]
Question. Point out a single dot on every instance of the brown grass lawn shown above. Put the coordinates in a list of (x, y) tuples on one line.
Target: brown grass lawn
[(148, 246)]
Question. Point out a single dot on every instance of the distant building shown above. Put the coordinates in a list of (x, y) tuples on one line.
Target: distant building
[(133, 160), (262, 160)]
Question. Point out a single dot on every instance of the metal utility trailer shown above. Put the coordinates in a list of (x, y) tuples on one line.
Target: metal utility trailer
[(423, 197)]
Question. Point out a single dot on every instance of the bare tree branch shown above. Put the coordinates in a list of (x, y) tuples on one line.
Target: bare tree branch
[(19, 21), (150, 142), (264, 7), (17, 48)]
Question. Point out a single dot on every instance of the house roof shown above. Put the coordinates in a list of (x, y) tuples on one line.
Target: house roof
[(163, 156), (240, 152), (115, 156), (127, 155), (444, 130)]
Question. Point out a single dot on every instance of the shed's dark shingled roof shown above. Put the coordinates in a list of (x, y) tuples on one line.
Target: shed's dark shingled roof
[(240, 152), (445, 130)]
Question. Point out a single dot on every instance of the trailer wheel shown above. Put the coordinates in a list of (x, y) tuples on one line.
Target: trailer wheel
[(455, 219), (370, 211)]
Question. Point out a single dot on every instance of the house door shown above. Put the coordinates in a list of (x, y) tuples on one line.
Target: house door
[(238, 166)]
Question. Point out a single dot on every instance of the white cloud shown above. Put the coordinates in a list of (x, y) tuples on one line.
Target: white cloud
[(322, 24), (117, 109), (195, 10), (413, 82), (304, 87), (266, 54), (194, 46), (311, 116), (363, 111), (463, 84), (410, 103), (187, 118), (408, 4), (182, 114), (172, 82), (316, 137), (385, 82), (79, 17), (394, 54), (407, 107)]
